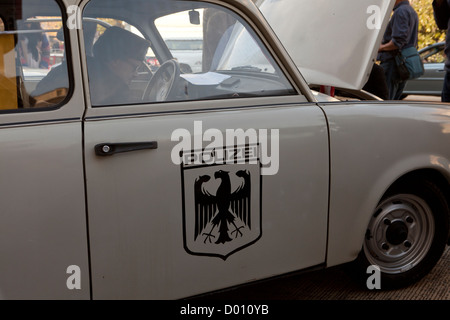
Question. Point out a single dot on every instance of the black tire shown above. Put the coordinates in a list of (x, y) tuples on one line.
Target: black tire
[(406, 236)]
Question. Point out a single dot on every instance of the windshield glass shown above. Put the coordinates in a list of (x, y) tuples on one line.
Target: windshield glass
[(241, 52)]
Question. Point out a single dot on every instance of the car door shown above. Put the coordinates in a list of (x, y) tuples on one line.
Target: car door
[(432, 81), (43, 236), (223, 182)]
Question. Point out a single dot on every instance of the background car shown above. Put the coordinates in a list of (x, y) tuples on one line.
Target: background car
[(431, 82), (186, 44), (187, 51)]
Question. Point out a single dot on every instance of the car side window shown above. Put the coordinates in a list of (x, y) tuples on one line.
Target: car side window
[(33, 70), (177, 51)]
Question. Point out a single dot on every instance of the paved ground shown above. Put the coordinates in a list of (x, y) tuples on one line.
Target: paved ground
[(335, 284)]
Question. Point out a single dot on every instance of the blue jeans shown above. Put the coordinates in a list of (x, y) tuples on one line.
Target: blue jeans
[(445, 97), (394, 84)]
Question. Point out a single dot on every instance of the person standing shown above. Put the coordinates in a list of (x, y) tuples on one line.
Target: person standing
[(441, 10), (401, 33)]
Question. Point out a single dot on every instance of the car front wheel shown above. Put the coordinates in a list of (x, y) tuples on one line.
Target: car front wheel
[(407, 234)]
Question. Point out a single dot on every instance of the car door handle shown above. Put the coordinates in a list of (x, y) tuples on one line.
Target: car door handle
[(108, 149)]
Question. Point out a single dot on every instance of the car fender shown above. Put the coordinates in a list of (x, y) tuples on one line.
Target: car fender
[(371, 147)]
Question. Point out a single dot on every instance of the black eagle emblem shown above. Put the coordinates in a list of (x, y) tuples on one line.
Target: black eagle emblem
[(223, 208)]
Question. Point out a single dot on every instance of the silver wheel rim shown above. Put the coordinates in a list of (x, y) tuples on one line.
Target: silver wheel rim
[(400, 234)]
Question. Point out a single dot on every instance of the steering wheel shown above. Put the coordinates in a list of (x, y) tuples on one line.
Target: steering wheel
[(163, 82)]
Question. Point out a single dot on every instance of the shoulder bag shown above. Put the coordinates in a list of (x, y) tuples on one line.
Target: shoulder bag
[(409, 64)]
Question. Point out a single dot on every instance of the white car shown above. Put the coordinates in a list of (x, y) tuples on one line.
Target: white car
[(172, 184), (187, 51)]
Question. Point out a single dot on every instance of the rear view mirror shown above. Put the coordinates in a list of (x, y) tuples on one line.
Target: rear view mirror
[(194, 17)]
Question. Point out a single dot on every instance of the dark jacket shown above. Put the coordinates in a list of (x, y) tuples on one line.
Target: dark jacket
[(442, 17), (402, 29)]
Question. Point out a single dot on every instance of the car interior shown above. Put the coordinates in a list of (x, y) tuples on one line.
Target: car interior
[(229, 60)]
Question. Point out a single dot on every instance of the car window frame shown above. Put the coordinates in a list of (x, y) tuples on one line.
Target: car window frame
[(301, 92), (72, 108), (69, 65)]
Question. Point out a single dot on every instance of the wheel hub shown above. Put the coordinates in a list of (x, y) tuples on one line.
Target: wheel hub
[(397, 232)]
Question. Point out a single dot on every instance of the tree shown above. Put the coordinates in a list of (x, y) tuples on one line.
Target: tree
[(428, 30)]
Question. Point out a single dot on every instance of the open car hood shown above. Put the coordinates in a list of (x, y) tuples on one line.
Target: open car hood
[(333, 42)]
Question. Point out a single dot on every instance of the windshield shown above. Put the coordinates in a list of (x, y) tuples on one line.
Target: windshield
[(241, 52)]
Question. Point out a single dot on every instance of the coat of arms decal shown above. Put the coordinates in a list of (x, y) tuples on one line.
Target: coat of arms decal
[(222, 203)]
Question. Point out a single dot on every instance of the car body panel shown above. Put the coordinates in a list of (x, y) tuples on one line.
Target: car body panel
[(44, 217), (112, 233), (366, 173), (346, 44), (430, 83), (126, 220), (43, 209), (136, 238)]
